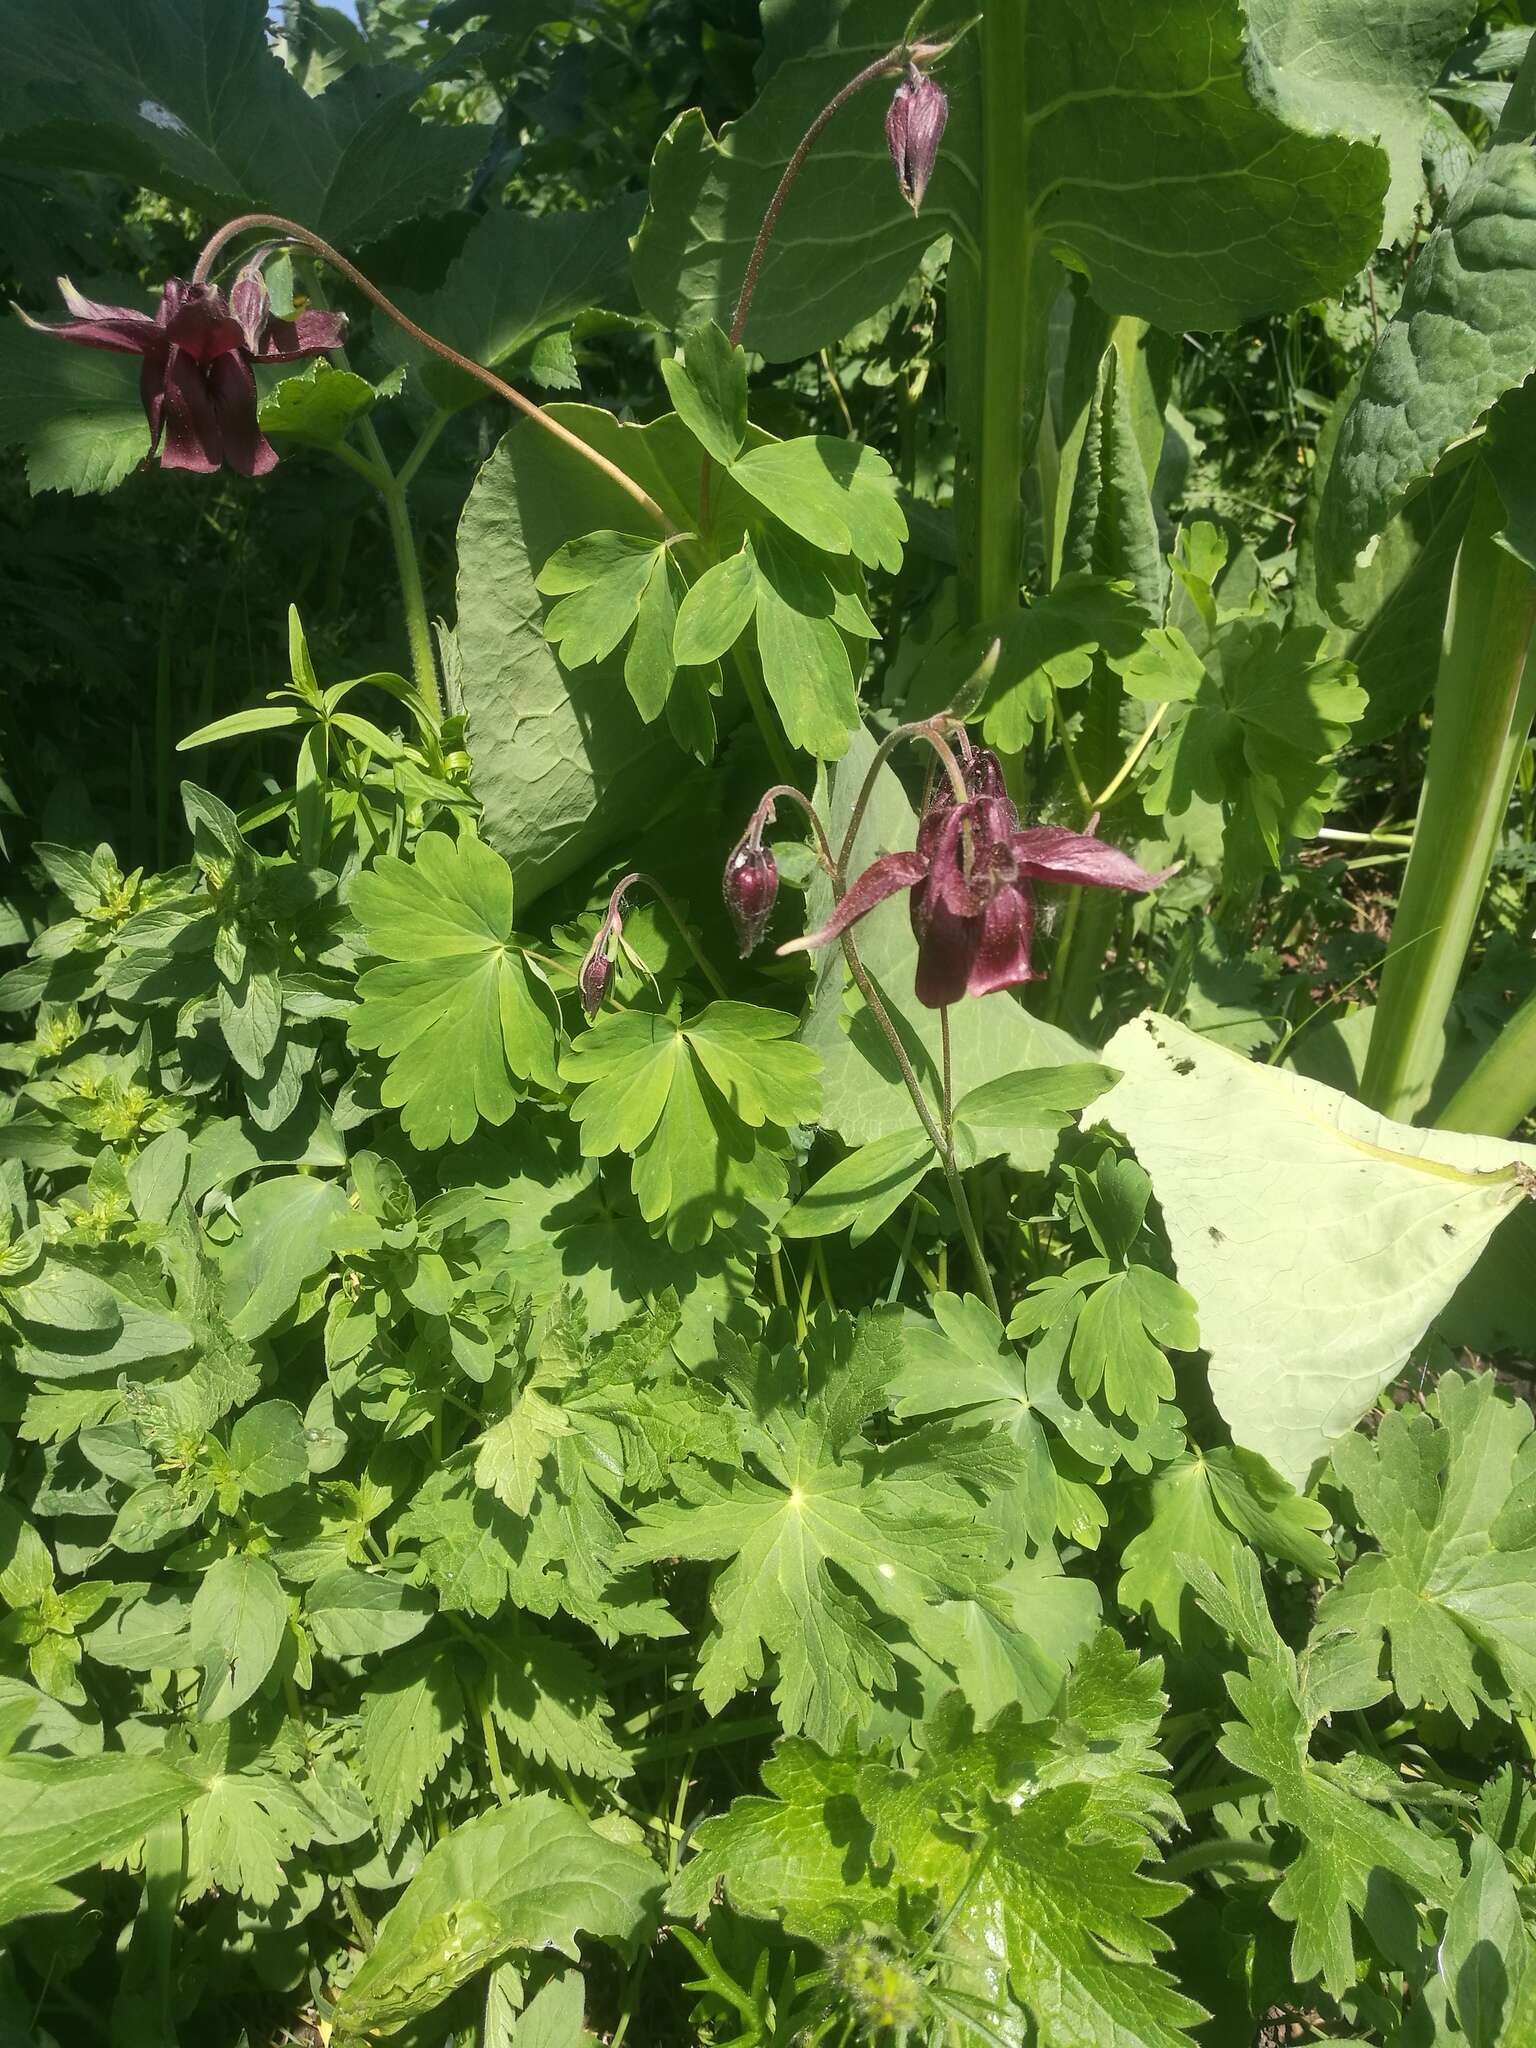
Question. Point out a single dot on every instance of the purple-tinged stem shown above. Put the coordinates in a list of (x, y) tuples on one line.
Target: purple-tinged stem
[(293, 231)]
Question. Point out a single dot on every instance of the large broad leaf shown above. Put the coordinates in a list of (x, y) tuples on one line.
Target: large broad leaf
[(512, 293), (1169, 167), (863, 1095), (1319, 1239), (62, 1814), (563, 764), (1366, 71), (527, 1877), (75, 411), (1458, 342), (184, 96)]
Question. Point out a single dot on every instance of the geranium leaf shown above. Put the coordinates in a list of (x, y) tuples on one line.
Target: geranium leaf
[(1451, 1586), (904, 1539)]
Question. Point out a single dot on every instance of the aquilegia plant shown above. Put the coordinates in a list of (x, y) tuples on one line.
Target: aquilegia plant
[(788, 1301)]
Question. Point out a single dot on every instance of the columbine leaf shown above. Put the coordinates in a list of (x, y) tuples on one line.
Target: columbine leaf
[(1267, 714), (699, 1106), (804, 657), (861, 1191), (606, 575), (838, 495), (1451, 1587), (1048, 647), (529, 1876), (460, 1013), (716, 610), (708, 389), (1319, 1239)]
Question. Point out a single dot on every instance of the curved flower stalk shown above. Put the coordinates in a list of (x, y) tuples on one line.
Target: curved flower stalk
[(594, 977)]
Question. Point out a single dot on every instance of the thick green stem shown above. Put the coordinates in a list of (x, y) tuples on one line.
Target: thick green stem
[(1009, 356), (413, 598), (1500, 1091), (1485, 693)]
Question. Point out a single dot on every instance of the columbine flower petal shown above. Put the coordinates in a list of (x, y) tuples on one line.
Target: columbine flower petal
[(1002, 951), (1050, 853), (887, 876), (232, 388)]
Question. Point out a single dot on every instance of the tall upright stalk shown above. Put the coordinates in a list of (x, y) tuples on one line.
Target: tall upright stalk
[(1008, 353), (1485, 694), (1500, 1091)]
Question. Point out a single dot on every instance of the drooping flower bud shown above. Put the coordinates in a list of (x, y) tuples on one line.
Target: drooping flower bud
[(913, 127), (750, 884), (594, 981)]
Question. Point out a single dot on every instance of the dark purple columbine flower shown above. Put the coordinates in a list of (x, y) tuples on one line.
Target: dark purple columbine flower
[(196, 384), (750, 886), (972, 877), (913, 127)]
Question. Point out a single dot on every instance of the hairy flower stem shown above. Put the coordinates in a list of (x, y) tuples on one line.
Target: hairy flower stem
[(637, 878), (937, 1136), (928, 729), (293, 231), (894, 61), (1485, 695)]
